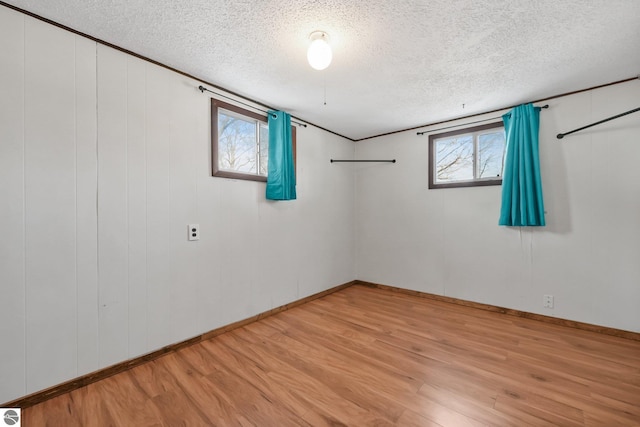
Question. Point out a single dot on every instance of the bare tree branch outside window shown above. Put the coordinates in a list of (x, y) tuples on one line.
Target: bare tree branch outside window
[(467, 157), (240, 142), (454, 158), (490, 154), (237, 148)]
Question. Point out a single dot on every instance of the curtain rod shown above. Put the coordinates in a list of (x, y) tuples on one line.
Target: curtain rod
[(561, 95), (470, 123), (562, 135), (363, 161), (203, 89)]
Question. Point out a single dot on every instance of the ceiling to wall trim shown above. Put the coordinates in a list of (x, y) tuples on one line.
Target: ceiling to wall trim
[(502, 109), (159, 64), (262, 104)]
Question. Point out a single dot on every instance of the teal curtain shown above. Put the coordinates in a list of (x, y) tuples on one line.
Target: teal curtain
[(281, 175), (522, 203)]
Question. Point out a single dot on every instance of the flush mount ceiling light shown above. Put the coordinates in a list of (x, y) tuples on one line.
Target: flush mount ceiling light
[(319, 54)]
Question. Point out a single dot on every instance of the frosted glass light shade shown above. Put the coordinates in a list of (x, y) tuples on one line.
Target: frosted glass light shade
[(319, 53)]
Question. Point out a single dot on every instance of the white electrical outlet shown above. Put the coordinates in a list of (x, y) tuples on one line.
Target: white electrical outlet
[(547, 301), (194, 231)]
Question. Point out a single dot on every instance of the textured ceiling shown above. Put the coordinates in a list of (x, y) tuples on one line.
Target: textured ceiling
[(396, 64)]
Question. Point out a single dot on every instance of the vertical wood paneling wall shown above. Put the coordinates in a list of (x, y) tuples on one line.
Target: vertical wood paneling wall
[(104, 160), (447, 241), (86, 207), (12, 206), (50, 143)]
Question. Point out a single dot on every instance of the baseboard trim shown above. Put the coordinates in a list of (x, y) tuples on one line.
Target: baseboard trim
[(76, 383), (509, 311)]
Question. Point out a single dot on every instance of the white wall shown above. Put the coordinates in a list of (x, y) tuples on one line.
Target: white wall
[(447, 241), (104, 160)]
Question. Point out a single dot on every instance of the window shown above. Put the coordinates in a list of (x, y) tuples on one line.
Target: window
[(240, 142), (467, 157)]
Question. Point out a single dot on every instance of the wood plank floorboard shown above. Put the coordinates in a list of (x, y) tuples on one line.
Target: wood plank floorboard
[(364, 356)]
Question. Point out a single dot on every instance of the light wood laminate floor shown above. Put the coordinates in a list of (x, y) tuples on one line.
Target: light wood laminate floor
[(372, 357)]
